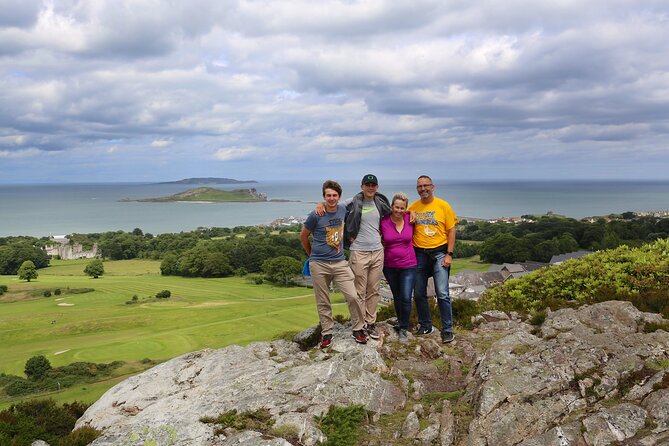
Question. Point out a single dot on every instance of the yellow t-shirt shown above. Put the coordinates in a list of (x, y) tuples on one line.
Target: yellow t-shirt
[(433, 221)]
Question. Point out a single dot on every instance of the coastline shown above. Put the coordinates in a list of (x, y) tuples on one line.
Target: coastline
[(40, 210)]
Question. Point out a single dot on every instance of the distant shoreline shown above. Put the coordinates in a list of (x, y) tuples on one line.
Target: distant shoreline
[(208, 180)]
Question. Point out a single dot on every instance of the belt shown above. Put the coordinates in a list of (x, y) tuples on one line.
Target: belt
[(442, 248)]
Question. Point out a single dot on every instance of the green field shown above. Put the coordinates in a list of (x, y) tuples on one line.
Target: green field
[(99, 326)]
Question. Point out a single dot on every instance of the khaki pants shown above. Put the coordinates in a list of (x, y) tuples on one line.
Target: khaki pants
[(367, 267), (322, 275)]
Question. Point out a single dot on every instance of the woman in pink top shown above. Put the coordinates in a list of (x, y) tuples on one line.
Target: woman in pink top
[(399, 264)]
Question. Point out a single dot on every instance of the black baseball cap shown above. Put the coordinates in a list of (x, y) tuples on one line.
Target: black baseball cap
[(369, 178)]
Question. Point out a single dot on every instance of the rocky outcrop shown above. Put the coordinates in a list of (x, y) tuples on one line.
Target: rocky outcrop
[(165, 404), (587, 376), (582, 378)]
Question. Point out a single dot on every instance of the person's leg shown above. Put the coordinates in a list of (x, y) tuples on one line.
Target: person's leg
[(423, 272), (321, 279), (392, 276), (374, 270), (407, 279), (343, 278), (358, 262), (443, 297)]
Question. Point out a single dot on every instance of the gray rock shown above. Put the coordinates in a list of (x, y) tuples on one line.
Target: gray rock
[(657, 405), (411, 426), (418, 390), (429, 434), (524, 384), (615, 424), (554, 388), (494, 316), (165, 403), (39, 443), (447, 425)]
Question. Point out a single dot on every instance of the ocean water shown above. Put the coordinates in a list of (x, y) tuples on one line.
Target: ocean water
[(47, 209)]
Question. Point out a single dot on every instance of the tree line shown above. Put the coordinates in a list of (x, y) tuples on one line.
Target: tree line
[(552, 235), (221, 252)]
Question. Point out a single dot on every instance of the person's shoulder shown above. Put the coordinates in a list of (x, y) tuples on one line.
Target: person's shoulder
[(441, 202), (414, 205), (311, 218)]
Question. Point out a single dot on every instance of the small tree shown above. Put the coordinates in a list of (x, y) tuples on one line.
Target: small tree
[(37, 367), (27, 271), (281, 269), (95, 268)]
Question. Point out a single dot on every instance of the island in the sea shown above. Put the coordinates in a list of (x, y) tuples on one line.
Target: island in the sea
[(208, 195), (209, 180)]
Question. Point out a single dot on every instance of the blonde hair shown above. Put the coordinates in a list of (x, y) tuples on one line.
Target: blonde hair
[(402, 197)]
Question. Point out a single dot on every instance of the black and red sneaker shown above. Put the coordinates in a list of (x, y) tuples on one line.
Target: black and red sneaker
[(359, 336), (326, 340)]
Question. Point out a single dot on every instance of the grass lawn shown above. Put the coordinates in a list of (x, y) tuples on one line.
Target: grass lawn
[(99, 326), (473, 263)]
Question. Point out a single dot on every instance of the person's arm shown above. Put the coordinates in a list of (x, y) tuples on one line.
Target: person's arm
[(451, 245), (304, 238), (320, 207)]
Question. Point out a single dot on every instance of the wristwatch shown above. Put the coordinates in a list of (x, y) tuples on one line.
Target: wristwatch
[(449, 253)]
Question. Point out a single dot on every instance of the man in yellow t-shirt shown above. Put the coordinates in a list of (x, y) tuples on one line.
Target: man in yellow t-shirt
[(434, 241)]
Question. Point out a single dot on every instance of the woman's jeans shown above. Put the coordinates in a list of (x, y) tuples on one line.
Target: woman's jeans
[(430, 265), (401, 282)]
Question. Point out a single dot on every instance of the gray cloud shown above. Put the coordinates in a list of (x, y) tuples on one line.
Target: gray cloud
[(278, 87)]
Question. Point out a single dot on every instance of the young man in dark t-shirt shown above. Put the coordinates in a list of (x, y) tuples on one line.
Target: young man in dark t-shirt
[(327, 264)]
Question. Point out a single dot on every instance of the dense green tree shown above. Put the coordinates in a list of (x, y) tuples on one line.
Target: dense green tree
[(15, 252), (94, 268), (504, 248), (37, 367), (281, 269), (170, 265), (27, 271)]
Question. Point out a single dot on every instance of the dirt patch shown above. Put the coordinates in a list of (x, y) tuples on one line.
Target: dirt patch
[(64, 304)]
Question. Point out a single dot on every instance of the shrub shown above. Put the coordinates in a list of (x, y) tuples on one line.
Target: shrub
[(3, 289), (259, 420), (80, 437), (37, 367), (164, 294), (639, 275), (57, 292), (47, 293), (28, 421), (342, 424), (463, 311)]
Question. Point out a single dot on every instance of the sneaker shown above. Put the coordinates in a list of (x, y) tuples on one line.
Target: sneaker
[(359, 336), (447, 337), (371, 331), (404, 336), (424, 331), (326, 340)]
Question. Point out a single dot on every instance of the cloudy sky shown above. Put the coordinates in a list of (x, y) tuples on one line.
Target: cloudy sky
[(150, 90)]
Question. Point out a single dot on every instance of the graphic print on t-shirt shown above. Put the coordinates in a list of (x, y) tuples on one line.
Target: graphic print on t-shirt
[(333, 235), (427, 221)]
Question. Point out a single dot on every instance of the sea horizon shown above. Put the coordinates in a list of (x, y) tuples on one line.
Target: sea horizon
[(43, 209)]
